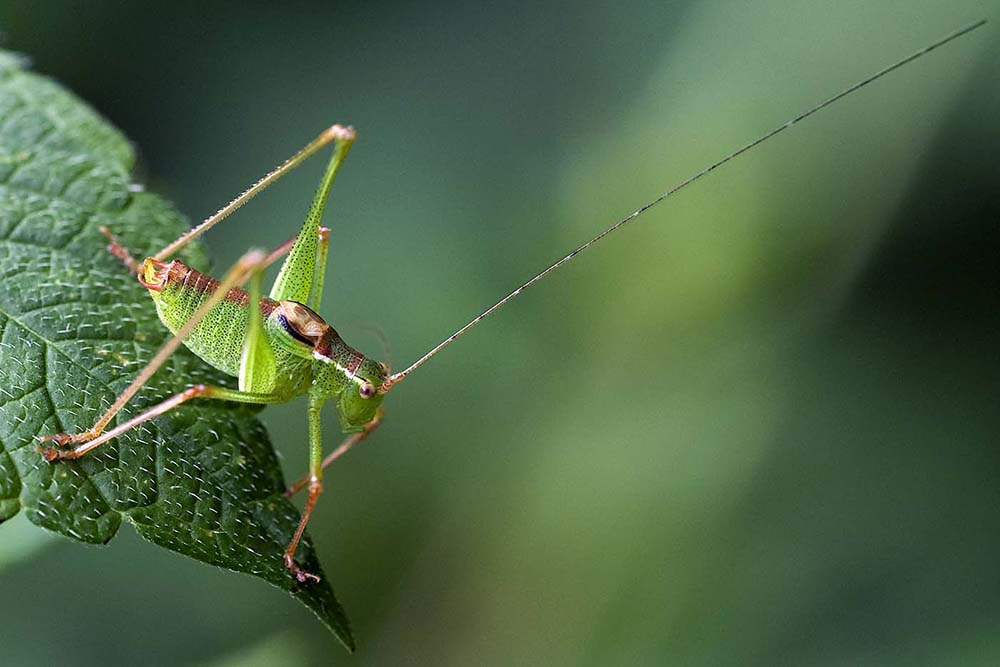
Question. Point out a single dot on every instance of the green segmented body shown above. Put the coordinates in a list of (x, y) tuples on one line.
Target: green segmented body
[(220, 338)]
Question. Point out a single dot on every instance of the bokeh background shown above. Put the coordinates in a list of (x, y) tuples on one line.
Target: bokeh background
[(758, 427)]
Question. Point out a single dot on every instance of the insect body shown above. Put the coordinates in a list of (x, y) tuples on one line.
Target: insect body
[(277, 346), (298, 351)]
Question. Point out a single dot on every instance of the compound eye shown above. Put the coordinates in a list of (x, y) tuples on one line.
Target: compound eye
[(366, 390)]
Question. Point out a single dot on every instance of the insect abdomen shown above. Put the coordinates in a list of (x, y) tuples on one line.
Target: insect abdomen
[(220, 336)]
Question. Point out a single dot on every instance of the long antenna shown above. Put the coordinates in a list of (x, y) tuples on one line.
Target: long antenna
[(396, 377)]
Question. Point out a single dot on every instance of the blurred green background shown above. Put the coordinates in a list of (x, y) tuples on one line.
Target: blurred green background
[(758, 427)]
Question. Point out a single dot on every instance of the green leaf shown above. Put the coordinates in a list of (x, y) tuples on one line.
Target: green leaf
[(75, 328)]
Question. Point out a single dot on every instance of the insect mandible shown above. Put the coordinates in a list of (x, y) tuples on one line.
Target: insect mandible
[(278, 346)]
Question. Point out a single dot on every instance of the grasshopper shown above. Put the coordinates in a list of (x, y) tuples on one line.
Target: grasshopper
[(278, 346)]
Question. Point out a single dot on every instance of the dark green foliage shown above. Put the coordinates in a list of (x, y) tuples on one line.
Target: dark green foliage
[(74, 330)]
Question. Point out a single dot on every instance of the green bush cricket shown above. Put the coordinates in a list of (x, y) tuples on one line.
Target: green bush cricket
[(278, 346)]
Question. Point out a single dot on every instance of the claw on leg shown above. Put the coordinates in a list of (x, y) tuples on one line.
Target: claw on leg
[(315, 489), (51, 454), (300, 575), (62, 439)]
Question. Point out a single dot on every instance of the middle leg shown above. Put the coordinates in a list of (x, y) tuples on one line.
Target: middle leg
[(315, 482)]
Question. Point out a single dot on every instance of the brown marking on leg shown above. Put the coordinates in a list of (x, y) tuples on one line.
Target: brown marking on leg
[(315, 489)]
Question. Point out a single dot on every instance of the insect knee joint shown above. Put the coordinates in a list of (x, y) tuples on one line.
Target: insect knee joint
[(195, 391), (342, 132)]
